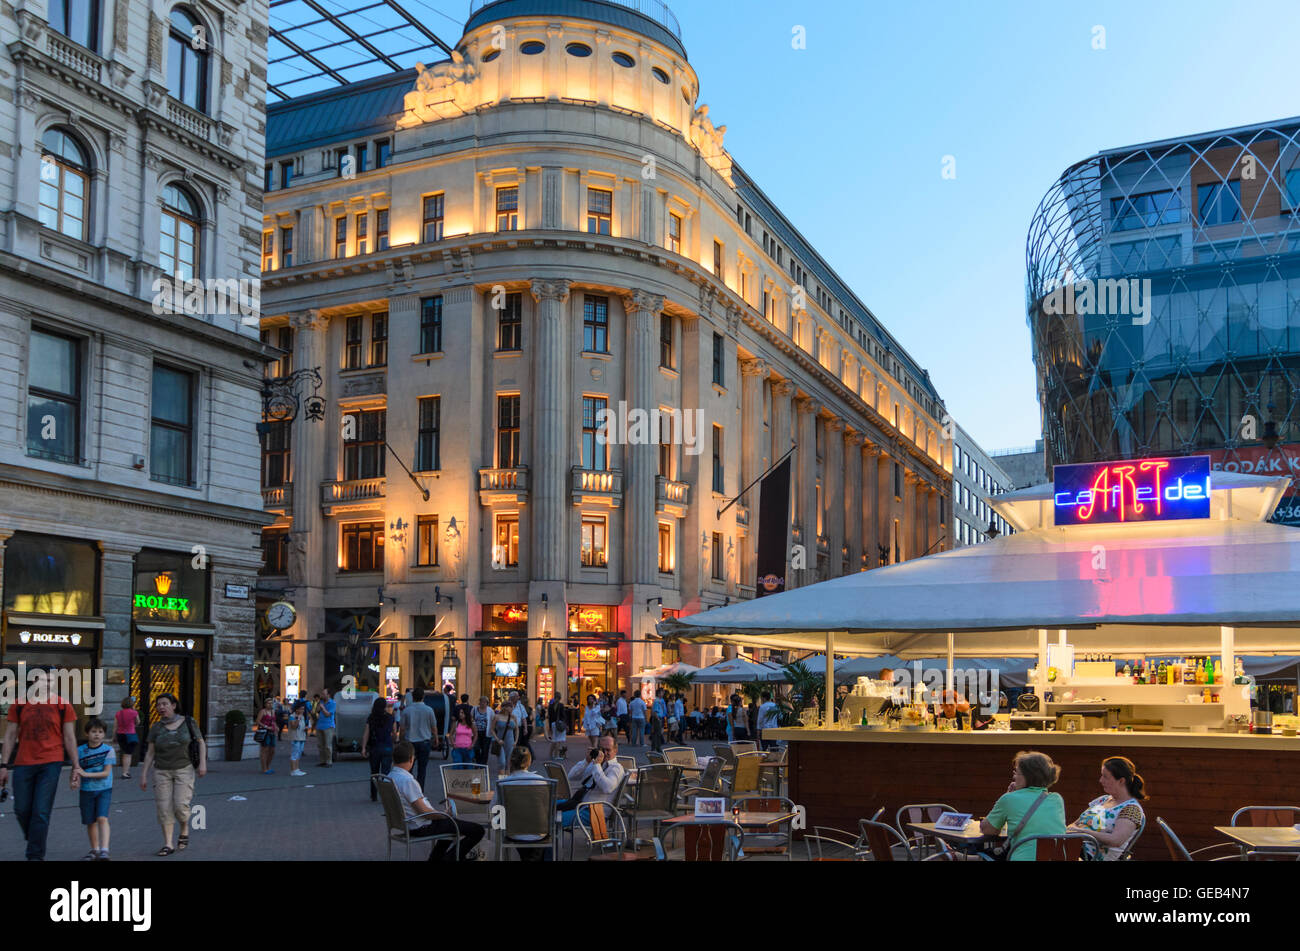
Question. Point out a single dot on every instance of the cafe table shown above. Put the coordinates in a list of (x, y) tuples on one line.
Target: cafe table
[(705, 837), (482, 798), (1272, 839), (967, 839)]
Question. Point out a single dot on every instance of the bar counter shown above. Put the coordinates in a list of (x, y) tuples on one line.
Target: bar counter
[(1194, 780)]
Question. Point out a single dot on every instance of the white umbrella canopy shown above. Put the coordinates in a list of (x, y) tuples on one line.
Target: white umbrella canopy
[(737, 670), (667, 670)]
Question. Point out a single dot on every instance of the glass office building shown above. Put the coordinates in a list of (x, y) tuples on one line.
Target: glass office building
[(1164, 303)]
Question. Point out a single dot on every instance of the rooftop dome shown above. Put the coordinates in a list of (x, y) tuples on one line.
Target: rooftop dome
[(650, 18)]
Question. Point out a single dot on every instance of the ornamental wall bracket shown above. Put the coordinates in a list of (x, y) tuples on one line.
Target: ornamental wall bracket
[(284, 397)]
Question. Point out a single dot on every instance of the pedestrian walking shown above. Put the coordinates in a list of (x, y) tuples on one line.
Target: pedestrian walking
[(281, 716), (539, 718), (737, 720), (417, 729), (505, 730), (463, 737), (41, 724), (298, 721), (636, 720), (93, 776), (483, 716), (266, 734), (168, 751), (656, 730), (620, 712), (557, 725), (378, 740), (325, 729), (592, 722), (126, 726)]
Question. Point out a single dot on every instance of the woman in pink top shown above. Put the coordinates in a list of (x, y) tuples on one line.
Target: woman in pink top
[(463, 736), (127, 738)]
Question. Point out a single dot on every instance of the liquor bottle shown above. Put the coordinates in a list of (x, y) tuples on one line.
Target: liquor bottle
[(1218, 672), (1198, 672), (1128, 671), (1189, 674), (1163, 675)]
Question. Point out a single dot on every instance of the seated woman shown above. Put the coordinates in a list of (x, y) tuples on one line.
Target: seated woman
[(1032, 774), (1114, 818)]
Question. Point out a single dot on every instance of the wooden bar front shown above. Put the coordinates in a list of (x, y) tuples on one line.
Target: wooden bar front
[(1194, 781)]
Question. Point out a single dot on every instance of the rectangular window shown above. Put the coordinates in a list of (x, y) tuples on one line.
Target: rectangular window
[(666, 559), (286, 247), (431, 324), (362, 153), (286, 173), (749, 225), (268, 183), (268, 250), (674, 233), (600, 210), (361, 546), (1293, 189), (282, 339), (171, 437), (666, 341), (1218, 204), (719, 477), (508, 209), (428, 441), (505, 551), (717, 259), (341, 161), (433, 219), (593, 541), (1146, 210), (276, 454), (275, 551), (426, 540), (362, 226), (379, 340), (54, 397), (363, 454), (383, 152), (508, 432), (716, 559), (353, 342), (341, 237), (719, 371), (595, 454), (381, 229), (595, 324), (510, 323), (665, 445), (898, 481)]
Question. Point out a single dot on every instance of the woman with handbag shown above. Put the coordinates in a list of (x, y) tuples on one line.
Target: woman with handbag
[(1026, 808), (504, 733), (177, 752), (378, 740), (265, 734)]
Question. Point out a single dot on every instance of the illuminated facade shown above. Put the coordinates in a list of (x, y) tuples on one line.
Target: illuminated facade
[(1164, 303), (128, 446), (487, 256)]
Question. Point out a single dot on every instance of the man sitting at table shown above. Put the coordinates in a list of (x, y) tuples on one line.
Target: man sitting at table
[(415, 805), (1027, 808), (599, 775)]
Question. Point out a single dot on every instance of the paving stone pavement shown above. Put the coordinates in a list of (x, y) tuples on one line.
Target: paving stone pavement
[(323, 816)]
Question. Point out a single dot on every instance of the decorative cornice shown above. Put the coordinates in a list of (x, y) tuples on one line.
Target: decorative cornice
[(639, 301), (546, 289), (782, 388), (836, 425), (758, 368), (313, 319)]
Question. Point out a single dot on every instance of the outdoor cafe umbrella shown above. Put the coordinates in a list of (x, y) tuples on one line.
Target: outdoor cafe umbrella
[(737, 670), (666, 670)]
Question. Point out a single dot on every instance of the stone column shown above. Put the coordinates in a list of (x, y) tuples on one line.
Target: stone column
[(117, 588), (833, 495), (640, 525), (885, 510), (754, 448), (691, 574), (551, 451), (853, 498), (870, 521), (806, 494), (782, 440), (911, 512)]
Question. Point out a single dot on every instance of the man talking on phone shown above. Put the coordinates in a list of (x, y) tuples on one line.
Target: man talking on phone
[(599, 776)]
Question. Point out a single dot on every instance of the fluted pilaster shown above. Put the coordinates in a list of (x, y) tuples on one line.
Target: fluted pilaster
[(641, 527), (550, 431)]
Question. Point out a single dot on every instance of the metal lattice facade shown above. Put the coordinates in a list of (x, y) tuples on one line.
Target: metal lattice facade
[(1205, 358)]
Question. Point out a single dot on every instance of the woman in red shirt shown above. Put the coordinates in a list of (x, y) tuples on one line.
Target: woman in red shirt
[(127, 738)]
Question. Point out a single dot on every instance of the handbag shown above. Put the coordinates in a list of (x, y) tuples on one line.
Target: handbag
[(259, 736), (1027, 703), (194, 741), (495, 747), (1002, 851)]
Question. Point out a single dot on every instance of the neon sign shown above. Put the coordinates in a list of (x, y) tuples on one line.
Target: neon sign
[(1135, 490), (162, 604)]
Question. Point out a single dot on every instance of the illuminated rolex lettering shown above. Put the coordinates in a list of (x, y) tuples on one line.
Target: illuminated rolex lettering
[(1142, 490), (162, 604)]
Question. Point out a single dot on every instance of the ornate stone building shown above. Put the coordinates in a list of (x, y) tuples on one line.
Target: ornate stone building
[(488, 256), (132, 153)]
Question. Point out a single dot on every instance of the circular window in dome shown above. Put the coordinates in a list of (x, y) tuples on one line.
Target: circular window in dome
[(491, 54), (578, 49), (660, 75), (624, 60), (532, 47)]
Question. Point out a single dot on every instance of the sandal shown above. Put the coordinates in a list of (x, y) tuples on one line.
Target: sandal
[(164, 851), (182, 842)]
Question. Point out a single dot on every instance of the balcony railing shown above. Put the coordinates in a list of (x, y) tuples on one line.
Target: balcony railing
[(742, 514), (72, 56), (278, 497), (189, 120), (672, 497), (355, 490), (596, 485), (503, 485)]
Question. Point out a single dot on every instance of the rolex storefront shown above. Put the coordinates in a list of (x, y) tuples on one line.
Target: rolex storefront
[(171, 637)]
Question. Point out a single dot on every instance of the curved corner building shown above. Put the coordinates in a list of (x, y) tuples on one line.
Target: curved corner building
[(484, 256), (1164, 303)]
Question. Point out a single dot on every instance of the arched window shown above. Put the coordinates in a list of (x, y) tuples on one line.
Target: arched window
[(187, 60), (179, 238), (65, 184)]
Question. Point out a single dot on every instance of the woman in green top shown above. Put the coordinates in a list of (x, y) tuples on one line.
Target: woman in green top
[(1031, 776), (169, 754)]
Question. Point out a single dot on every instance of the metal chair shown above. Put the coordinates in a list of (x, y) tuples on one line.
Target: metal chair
[(743, 746), (556, 772), (709, 784), (459, 778), (1127, 853), (882, 839), (1063, 847), (655, 797), (628, 763), (743, 776), (529, 815), (1178, 852), (1264, 817), (654, 756), (769, 842), (703, 852), (597, 821), (398, 826), (725, 753), (829, 836), (919, 812), (776, 777)]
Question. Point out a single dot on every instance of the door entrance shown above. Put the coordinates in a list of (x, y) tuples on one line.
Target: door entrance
[(182, 677)]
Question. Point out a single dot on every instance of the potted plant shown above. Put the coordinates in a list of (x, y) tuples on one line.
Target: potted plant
[(236, 728)]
